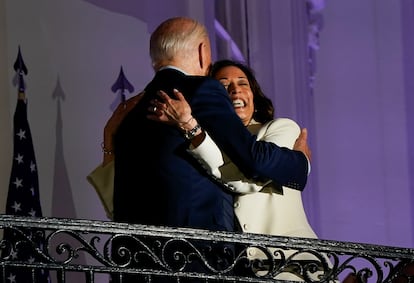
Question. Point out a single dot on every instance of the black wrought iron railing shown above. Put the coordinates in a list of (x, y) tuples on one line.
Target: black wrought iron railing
[(72, 250)]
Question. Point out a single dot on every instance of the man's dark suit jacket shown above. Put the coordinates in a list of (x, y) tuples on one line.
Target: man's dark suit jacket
[(157, 182)]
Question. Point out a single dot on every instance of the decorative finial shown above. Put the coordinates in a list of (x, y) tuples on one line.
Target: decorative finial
[(122, 84), (21, 70)]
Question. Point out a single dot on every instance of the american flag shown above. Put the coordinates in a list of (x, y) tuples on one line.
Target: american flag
[(23, 196)]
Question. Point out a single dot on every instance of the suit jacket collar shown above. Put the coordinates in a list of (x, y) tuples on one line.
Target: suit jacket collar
[(174, 68)]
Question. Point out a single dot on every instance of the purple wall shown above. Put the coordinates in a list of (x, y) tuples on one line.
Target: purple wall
[(360, 113)]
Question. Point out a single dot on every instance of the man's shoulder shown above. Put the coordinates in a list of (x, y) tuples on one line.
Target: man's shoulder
[(174, 77), (200, 85), (191, 86), (201, 80)]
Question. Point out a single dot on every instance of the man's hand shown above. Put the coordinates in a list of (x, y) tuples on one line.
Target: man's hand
[(301, 144)]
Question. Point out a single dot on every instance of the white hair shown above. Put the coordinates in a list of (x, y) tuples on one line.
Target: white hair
[(175, 38)]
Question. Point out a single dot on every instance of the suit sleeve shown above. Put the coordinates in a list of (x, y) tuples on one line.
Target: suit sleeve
[(208, 155), (282, 132), (257, 160)]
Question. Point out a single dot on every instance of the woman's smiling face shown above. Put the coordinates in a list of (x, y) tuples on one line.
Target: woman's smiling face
[(238, 88)]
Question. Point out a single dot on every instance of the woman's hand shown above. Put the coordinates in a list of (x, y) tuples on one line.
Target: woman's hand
[(113, 123), (119, 114), (176, 112)]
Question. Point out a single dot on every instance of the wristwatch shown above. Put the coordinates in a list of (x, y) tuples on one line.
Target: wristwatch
[(192, 133)]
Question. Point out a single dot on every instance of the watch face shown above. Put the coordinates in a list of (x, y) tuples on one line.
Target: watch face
[(191, 133)]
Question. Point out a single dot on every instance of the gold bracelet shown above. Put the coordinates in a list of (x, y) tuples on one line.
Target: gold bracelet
[(104, 150)]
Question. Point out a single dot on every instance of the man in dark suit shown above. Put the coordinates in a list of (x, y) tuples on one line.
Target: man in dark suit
[(157, 182)]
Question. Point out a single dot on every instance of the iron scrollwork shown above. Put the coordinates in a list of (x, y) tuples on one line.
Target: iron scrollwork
[(99, 246)]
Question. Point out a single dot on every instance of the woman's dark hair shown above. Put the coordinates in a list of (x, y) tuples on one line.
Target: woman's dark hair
[(263, 106)]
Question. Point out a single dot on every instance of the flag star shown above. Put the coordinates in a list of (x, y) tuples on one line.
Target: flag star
[(32, 191), (19, 158), (16, 207), (32, 166), (31, 259), (18, 182), (32, 213), (12, 278), (21, 134)]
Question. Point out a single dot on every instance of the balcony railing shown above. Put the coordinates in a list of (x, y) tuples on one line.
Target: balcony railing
[(92, 250)]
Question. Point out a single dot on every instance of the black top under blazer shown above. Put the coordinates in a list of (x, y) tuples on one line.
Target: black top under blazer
[(157, 182)]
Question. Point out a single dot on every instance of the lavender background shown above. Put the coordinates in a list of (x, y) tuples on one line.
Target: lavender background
[(343, 69)]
